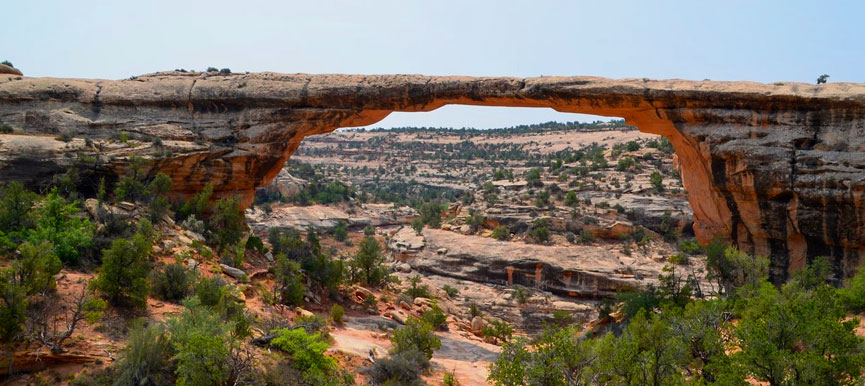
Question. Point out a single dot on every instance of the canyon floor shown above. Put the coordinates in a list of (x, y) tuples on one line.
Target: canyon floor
[(531, 226)]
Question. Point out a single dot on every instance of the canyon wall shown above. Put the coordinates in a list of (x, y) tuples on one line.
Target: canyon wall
[(777, 169)]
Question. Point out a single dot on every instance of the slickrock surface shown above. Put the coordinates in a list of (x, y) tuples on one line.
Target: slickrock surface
[(777, 169)]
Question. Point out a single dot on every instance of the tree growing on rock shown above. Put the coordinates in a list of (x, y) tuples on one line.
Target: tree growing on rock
[(124, 272), (367, 266)]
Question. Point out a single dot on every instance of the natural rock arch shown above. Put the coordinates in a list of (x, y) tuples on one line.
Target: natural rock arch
[(777, 169)]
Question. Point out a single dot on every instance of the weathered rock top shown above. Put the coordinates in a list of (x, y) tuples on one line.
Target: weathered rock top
[(776, 168)]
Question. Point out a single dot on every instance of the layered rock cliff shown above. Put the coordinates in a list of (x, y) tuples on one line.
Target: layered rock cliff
[(776, 169)]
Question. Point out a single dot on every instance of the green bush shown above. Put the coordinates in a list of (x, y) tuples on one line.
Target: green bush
[(124, 272), (254, 242), (691, 247), (306, 350), (539, 232), (498, 331), (340, 231), (417, 225), (501, 232), (732, 269), (202, 345), (173, 282), (571, 199), (451, 291), (146, 359), (415, 335), (436, 318), (13, 305), (367, 266), (680, 259), (657, 181), (289, 281), (57, 221), (336, 314), (36, 267), (15, 204), (431, 214), (227, 223), (450, 380), (417, 290), (853, 293), (211, 291), (475, 221), (403, 369), (197, 205)]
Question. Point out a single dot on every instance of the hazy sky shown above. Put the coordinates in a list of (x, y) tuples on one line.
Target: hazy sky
[(754, 40)]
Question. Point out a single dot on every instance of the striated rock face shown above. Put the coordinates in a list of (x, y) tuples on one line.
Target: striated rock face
[(777, 169)]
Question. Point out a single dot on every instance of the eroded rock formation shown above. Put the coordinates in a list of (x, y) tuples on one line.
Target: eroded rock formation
[(777, 169)]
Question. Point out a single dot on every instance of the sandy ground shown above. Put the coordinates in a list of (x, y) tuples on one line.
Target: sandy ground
[(467, 357)]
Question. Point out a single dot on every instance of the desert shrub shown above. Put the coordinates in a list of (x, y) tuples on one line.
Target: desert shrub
[(657, 181), (193, 224), (562, 318), (146, 359), (542, 199), (367, 266), (226, 224), (431, 214), (306, 350), (732, 269), (533, 177), (436, 318), (520, 294), (451, 291), (340, 231), (15, 203), (336, 314), (56, 221), (415, 335), (225, 71), (13, 305), (254, 242), (125, 267), (475, 221), (450, 380), (680, 259), (369, 231), (36, 267), (416, 289), (853, 293), (159, 204), (131, 186), (211, 291), (6, 129), (173, 282), (197, 205), (474, 310), (571, 199), (501, 232), (417, 225), (539, 232), (498, 331), (202, 345), (404, 369), (690, 246), (319, 267), (289, 281), (370, 302)]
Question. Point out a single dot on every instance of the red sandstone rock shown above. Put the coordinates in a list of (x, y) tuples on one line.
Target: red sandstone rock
[(777, 169)]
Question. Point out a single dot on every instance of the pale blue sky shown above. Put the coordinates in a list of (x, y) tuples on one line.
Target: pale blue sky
[(731, 40)]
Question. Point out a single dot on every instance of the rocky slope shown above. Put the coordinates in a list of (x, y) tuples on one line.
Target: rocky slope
[(776, 168)]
